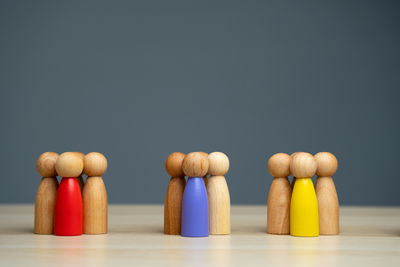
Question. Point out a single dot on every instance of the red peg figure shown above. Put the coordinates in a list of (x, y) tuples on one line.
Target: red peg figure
[(95, 214), (68, 214)]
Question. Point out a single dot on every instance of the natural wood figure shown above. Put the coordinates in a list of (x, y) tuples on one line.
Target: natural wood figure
[(80, 178), (328, 203), (219, 202), (173, 198), (279, 195), (205, 178), (95, 213), (46, 193), (195, 164)]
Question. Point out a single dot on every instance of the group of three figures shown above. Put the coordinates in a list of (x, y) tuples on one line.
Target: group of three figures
[(200, 206)]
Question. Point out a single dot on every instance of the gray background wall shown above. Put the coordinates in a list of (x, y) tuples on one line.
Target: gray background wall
[(137, 80)]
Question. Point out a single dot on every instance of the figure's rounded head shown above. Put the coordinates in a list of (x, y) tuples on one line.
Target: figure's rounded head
[(80, 154), (195, 164), (218, 164), (204, 153), (292, 155), (326, 164), (69, 164), (95, 164), (303, 165), (46, 164), (279, 165), (173, 164)]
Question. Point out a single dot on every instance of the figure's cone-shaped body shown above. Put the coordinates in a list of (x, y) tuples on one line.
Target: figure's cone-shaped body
[(304, 209), (195, 201), (218, 194), (44, 205), (174, 196), (328, 203), (304, 220), (95, 207), (173, 206), (195, 209), (46, 193), (279, 195), (68, 215), (68, 212)]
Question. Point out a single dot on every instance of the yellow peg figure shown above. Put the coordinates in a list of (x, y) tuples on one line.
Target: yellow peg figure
[(304, 219)]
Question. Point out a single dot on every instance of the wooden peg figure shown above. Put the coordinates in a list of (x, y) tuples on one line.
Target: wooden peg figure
[(174, 196), (328, 203), (205, 178), (304, 219), (68, 208), (95, 213), (219, 202), (46, 193), (279, 195), (80, 178), (195, 201)]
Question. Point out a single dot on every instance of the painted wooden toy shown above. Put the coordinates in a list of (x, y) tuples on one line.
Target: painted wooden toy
[(304, 219), (195, 202)]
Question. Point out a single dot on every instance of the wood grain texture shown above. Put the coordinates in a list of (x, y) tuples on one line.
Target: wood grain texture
[(328, 203), (95, 164), (44, 205), (69, 164), (303, 165), (328, 206), (218, 164), (95, 213), (195, 164), (173, 206), (173, 164), (219, 205), (279, 196), (45, 164), (278, 212)]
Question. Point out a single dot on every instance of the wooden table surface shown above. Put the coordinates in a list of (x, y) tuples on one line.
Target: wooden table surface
[(370, 236)]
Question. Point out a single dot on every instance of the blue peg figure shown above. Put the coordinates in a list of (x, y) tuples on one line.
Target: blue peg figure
[(195, 201)]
